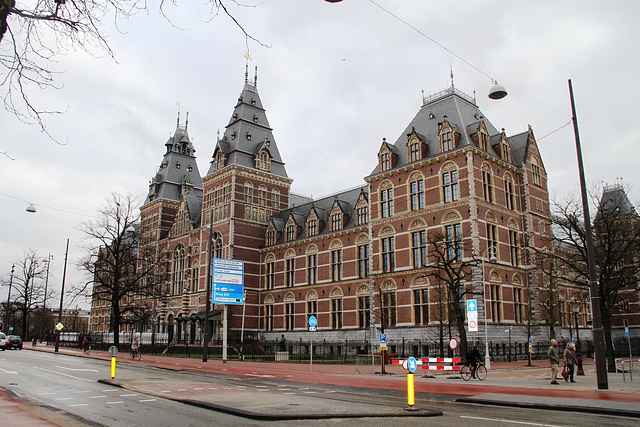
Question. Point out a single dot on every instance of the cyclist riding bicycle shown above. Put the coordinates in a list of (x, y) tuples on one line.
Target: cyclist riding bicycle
[(135, 347), (473, 357)]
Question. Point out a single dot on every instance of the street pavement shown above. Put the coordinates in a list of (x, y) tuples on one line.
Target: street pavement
[(354, 390)]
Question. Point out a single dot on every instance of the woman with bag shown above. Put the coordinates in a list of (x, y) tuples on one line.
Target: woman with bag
[(569, 363)]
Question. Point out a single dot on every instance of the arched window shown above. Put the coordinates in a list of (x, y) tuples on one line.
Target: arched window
[(386, 200), (487, 183), (177, 271)]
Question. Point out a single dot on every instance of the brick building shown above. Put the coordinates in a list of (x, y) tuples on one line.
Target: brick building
[(362, 253)]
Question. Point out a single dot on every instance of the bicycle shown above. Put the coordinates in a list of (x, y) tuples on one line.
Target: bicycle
[(467, 372), (135, 354)]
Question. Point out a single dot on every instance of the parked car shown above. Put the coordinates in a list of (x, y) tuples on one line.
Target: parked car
[(3, 341), (14, 341)]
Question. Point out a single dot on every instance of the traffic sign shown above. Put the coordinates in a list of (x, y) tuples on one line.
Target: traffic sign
[(453, 343), (472, 309), (313, 322), (59, 326), (113, 350), (412, 364), (228, 281), (473, 325)]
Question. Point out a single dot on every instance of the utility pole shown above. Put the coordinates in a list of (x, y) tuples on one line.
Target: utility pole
[(6, 309), (64, 274)]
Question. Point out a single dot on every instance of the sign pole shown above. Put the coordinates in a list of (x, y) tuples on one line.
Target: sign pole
[(224, 333)]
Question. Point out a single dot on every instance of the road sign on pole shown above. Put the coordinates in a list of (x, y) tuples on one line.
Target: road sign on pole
[(228, 281)]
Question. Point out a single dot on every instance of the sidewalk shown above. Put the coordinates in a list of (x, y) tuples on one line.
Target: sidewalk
[(508, 384)]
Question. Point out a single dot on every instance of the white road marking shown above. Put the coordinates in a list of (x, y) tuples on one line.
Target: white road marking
[(147, 400), (510, 421), (97, 397), (48, 393), (9, 372), (330, 391), (64, 398), (289, 392), (198, 388), (165, 391), (79, 404), (77, 369), (80, 391), (113, 403), (60, 373), (129, 395), (309, 392), (110, 389)]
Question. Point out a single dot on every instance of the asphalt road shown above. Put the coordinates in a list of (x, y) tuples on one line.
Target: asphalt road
[(67, 388)]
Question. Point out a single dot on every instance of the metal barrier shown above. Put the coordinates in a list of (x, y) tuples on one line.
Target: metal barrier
[(622, 362), (441, 363), (373, 358)]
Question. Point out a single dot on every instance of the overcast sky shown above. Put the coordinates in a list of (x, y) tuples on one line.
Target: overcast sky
[(335, 79)]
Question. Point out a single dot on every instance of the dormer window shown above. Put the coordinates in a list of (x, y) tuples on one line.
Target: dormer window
[(177, 165), (385, 161), (263, 160), (484, 141), (415, 147), (291, 232), (253, 101), (235, 117), (233, 135), (447, 136), (248, 136), (312, 227), (336, 221), (255, 119)]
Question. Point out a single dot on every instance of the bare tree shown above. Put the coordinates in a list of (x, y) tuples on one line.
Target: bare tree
[(113, 263), (442, 313), (550, 292), (34, 34), (454, 273), (28, 287), (617, 251)]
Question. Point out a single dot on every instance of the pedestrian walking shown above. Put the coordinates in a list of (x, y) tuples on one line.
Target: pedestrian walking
[(552, 354), (570, 361)]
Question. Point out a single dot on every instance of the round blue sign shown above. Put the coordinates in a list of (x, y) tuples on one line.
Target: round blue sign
[(313, 321), (412, 364)]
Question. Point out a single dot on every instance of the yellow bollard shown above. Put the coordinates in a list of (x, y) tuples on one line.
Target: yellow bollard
[(113, 367), (411, 400)]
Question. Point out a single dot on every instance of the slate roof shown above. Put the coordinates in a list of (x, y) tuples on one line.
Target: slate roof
[(463, 115), (614, 197), (177, 168), (248, 131), (347, 200)]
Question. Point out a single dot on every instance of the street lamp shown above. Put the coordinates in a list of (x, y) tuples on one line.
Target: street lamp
[(205, 344), (64, 275), (576, 311), (509, 331), (492, 258), (596, 315)]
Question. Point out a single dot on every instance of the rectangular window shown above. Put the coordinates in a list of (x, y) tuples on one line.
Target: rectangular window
[(271, 275), (388, 254), (289, 316), (312, 309), (492, 236), (312, 227), (248, 194), (389, 308), (336, 313), (336, 265), (450, 186), (268, 317), (487, 186), (289, 277), (518, 305), (419, 248), (421, 306), (508, 189), (385, 161), (496, 303), (447, 142), (363, 311), (454, 242), (312, 268), (363, 214), (513, 246), (291, 232), (417, 195), (386, 202), (536, 174), (363, 261), (336, 222)]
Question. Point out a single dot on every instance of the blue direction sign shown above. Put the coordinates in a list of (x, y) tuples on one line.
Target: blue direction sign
[(228, 281), (412, 364), (472, 306)]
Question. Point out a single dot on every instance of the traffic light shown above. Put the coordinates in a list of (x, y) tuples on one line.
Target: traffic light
[(1, 326)]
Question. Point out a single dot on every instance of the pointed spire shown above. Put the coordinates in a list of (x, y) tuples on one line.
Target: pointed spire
[(451, 68), (255, 77), (186, 124), (246, 73)]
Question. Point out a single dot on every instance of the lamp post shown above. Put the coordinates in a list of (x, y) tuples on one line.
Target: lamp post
[(44, 302), (509, 332), (205, 344), (576, 312), (64, 274), (6, 309), (598, 331), (492, 258)]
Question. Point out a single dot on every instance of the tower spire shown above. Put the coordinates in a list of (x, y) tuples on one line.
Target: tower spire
[(246, 73), (451, 68), (255, 77)]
